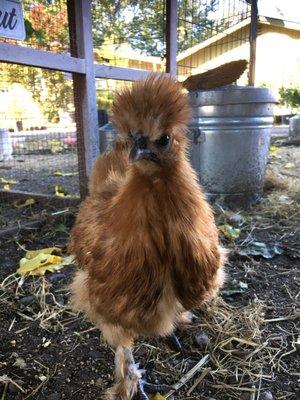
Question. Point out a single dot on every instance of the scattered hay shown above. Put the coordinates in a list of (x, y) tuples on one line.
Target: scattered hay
[(275, 181), (50, 309), (241, 357)]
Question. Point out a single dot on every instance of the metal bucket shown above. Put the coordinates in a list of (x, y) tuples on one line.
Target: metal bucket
[(230, 137), (294, 128), (107, 137), (6, 145)]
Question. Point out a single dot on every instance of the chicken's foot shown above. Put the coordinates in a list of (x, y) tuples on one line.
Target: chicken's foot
[(145, 387)]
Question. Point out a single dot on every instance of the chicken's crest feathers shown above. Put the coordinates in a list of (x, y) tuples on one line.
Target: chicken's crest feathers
[(156, 104)]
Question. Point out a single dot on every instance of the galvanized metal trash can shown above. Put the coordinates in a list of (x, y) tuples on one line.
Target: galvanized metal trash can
[(230, 137), (107, 137), (6, 145), (294, 128)]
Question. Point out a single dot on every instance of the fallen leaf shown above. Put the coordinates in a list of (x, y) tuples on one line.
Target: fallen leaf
[(4, 166), (6, 187), (48, 250), (229, 232), (20, 363), (58, 173), (234, 287), (69, 260), (289, 165), (7, 181), (39, 264), (274, 151), (60, 191), (19, 204), (260, 249), (158, 396)]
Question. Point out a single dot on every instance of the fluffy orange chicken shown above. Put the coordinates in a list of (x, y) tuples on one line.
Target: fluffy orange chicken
[(145, 237)]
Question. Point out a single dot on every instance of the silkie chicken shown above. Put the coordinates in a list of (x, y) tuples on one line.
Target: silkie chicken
[(145, 238)]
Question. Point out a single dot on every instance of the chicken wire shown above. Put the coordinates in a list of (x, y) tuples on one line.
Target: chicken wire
[(130, 34), (42, 145), (210, 33), (38, 144)]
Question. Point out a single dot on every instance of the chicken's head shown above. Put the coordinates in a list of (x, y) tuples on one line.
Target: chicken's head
[(152, 116)]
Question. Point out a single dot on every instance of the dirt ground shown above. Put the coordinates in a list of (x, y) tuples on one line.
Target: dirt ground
[(248, 339), (37, 173)]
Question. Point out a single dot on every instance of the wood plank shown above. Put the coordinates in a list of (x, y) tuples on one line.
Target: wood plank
[(252, 38), (40, 58), (119, 73), (171, 36), (81, 39)]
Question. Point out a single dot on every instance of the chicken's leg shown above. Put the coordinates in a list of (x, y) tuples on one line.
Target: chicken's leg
[(129, 380), (127, 376)]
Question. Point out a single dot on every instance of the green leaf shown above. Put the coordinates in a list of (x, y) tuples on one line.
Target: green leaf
[(229, 232), (234, 287)]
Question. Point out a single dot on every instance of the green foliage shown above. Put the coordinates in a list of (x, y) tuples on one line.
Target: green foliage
[(141, 24), (290, 97)]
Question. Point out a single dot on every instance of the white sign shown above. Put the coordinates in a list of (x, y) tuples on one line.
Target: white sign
[(12, 20)]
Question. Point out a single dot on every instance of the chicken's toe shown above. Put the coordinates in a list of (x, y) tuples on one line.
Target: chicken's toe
[(146, 387), (175, 343)]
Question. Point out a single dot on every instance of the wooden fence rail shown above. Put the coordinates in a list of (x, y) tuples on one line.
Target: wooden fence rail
[(81, 64)]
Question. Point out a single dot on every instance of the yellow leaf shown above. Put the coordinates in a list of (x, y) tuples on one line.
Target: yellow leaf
[(274, 151), (59, 191), (58, 173), (6, 187), (39, 264), (229, 232), (158, 396), (48, 250), (21, 204), (289, 165), (7, 181)]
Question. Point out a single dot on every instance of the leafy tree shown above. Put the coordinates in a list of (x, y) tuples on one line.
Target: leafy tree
[(46, 28), (141, 23), (290, 97)]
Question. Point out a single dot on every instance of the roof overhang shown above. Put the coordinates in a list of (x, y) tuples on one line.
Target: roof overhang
[(261, 20)]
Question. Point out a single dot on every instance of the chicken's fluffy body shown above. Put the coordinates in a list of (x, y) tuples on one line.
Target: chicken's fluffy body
[(145, 237)]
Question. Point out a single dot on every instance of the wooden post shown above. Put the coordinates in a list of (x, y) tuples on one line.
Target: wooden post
[(81, 43), (171, 36), (252, 39)]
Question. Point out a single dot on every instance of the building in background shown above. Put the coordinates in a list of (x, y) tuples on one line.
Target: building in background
[(277, 52)]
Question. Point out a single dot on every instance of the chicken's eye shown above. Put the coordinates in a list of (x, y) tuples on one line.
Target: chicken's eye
[(130, 135), (164, 140)]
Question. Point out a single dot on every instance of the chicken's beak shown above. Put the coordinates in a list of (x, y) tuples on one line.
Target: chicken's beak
[(140, 151)]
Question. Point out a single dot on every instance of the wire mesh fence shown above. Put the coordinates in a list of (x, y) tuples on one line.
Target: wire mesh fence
[(210, 33), (38, 141), (41, 141), (130, 34)]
